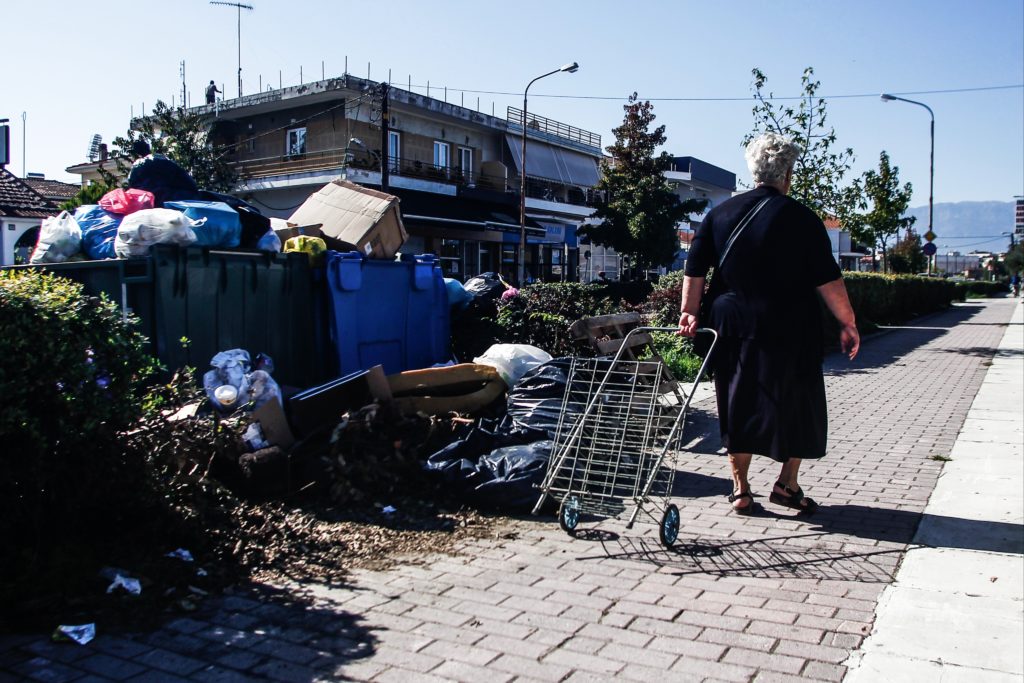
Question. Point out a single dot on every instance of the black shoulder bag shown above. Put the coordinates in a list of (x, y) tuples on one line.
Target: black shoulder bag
[(701, 344)]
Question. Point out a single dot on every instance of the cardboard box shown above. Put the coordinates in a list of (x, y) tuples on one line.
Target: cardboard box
[(354, 218), (285, 230)]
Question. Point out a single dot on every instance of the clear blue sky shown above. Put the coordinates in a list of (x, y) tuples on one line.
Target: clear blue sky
[(75, 69)]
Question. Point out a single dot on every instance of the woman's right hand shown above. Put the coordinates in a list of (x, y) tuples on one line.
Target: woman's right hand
[(687, 325)]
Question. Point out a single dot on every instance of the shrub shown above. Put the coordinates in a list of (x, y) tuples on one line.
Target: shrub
[(72, 376), (541, 314), (677, 352)]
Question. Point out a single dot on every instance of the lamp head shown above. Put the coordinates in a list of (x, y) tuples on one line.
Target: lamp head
[(571, 68), (886, 97)]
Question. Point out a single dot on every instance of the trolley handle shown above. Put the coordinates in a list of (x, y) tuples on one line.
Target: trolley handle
[(703, 365)]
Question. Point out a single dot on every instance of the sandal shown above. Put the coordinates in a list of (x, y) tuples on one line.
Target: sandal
[(794, 499), (746, 509)]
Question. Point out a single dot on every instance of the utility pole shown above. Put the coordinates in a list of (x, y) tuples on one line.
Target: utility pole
[(239, 6), (385, 134)]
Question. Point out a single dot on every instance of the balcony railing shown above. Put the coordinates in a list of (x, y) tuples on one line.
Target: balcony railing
[(291, 163), (552, 127), (358, 158)]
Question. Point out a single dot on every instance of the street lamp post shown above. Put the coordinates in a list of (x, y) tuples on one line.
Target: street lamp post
[(931, 171), (570, 68)]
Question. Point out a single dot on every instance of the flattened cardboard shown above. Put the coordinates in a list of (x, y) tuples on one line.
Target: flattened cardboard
[(275, 427), (352, 217), (323, 405)]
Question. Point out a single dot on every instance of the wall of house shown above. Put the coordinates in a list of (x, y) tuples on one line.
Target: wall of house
[(13, 229), (266, 135)]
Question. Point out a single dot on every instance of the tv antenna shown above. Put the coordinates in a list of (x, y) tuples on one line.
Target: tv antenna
[(239, 6), (94, 147)]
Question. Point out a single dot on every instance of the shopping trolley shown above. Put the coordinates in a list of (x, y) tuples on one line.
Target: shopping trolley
[(618, 439)]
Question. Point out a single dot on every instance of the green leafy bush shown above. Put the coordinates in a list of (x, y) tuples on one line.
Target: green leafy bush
[(677, 352), (72, 377), (540, 315)]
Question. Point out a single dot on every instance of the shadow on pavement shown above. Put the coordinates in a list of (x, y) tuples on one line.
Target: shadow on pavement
[(260, 632), (900, 526), (895, 341), (800, 556)]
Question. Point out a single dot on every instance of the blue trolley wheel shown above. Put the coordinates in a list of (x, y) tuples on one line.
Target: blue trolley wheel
[(569, 514), (669, 529)]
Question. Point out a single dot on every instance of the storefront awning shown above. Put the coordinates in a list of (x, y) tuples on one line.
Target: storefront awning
[(554, 163), (439, 209)]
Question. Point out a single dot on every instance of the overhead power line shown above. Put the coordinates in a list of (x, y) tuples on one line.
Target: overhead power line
[(734, 99)]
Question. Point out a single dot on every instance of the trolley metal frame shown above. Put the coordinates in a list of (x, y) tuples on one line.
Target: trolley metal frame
[(618, 439)]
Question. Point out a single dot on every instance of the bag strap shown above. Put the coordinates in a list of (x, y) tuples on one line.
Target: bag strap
[(739, 228)]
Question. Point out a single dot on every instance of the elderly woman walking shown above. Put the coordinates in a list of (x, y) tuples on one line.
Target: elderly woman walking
[(772, 259)]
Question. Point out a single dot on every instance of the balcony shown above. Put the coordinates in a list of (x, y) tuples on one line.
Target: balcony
[(358, 158)]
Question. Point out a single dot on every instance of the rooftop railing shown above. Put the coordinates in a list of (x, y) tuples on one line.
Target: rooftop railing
[(552, 127)]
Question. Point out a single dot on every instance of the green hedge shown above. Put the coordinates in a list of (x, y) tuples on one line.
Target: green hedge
[(981, 288), (891, 299)]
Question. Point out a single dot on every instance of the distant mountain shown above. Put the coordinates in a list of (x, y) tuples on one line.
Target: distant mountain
[(968, 226)]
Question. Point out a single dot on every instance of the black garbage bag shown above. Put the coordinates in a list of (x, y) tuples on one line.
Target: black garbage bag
[(484, 466), (510, 476), (535, 402), (165, 179), (499, 463), (486, 286), (486, 289), (254, 223)]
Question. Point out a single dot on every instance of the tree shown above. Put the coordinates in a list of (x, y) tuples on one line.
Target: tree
[(887, 203), (184, 138), (641, 214), (819, 171), (89, 194), (1015, 259), (906, 255)]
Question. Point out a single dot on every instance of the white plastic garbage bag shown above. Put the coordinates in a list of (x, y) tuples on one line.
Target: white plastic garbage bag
[(60, 238), (512, 361), (141, 230)]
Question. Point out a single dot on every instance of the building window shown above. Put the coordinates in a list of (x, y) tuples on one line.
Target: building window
[(466, 163), (296, 143), (442, 155), (394, 149)]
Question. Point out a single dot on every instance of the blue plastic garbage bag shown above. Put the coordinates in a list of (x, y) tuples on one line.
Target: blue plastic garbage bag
[(458, 297), (99, 230), (223, 228), (269, 242), (254, 223)]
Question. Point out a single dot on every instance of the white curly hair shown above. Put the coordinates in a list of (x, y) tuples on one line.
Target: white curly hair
[(769, 156)]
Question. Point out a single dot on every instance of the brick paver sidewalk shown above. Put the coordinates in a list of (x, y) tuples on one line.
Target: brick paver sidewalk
[(769, 597)]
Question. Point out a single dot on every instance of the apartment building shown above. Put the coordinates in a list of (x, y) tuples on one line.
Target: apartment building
[(456, 170)]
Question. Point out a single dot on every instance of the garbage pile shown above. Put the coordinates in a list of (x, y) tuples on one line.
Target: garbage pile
[(162, 205)]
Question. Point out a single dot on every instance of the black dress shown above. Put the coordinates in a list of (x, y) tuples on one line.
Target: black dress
[(767, 365)]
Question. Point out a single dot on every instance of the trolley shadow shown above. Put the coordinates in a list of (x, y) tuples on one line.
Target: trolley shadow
[(783, 557)]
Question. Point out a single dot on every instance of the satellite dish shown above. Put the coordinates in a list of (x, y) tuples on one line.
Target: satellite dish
[(94, 147)]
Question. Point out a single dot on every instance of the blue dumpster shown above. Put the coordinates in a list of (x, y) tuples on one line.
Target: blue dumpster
[(389, 313)]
